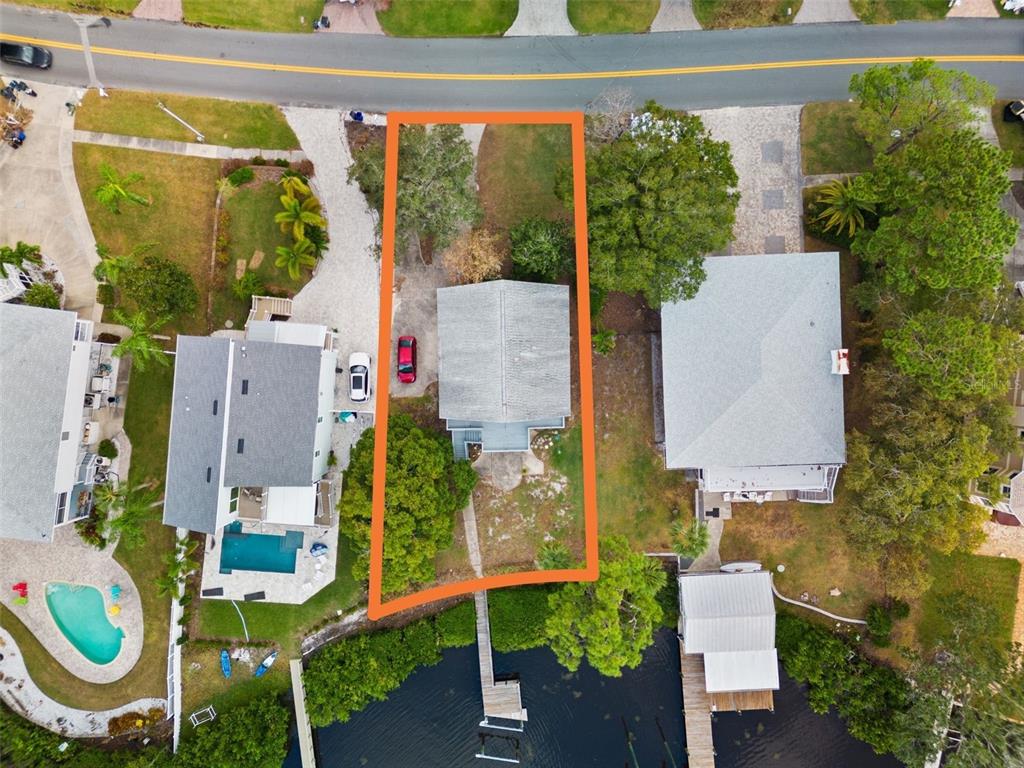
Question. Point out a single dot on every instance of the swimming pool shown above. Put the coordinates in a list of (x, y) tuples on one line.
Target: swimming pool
[(258, 551), (79, 613)]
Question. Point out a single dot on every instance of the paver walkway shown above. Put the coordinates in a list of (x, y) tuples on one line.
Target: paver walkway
[(675, 16), (39, 198), (21, 694), (1008, 541), (818, 11), (349, 19), (711, 559), (159, 10), (191, 149), (547, 18), (973, 9)]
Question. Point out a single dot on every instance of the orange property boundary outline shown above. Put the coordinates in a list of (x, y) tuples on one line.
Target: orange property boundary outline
[(377, 609)]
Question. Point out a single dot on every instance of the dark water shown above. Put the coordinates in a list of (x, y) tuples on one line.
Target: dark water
[(576, 720)]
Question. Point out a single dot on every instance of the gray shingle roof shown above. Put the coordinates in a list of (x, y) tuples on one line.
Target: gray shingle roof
[(277, 418), (503, 351), (197, 434), (35, 358), (747, 364)]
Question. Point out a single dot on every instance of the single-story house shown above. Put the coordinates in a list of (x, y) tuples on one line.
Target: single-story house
[(503, 362), (752, 378), (1005, 497)]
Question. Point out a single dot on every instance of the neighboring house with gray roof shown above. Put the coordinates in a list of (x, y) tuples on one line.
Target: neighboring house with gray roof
[(1002, 492), (729, 619), (503, 362), (250, 428), (753, 399), (47, 469)]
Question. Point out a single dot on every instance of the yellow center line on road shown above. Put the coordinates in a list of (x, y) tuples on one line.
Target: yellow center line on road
[(515, 76)]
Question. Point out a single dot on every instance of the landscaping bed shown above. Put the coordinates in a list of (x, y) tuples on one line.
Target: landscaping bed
[(828, 141), (731, 14), (596, 17), (889, 11), (447, 18)]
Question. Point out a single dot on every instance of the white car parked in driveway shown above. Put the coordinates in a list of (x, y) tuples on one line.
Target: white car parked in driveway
[(359, 377)]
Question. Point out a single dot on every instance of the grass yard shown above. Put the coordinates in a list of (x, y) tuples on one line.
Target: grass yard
[(230, 123), (1011, 135), (988, 581), (448, 18), (260, 15), (251, 229), (730, 14), (516, 171), (147, 421), (828, 141), (283, 625), (179, 218), (608, 17), (116, 7), (889, 11)]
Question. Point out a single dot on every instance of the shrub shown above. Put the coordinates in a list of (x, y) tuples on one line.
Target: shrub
[(518, 616), (282, 163), (456, 627), (258, 160), (332, 459), (303, 168), (42, 295), (91, 527), (541, 250), (598, 297), (105, 295), (899, 609), (160, 287), (473, 257), (604, 341), (241, 176), (107, 449), (879, 625), (248, 286), (223, 236), (554, 556)]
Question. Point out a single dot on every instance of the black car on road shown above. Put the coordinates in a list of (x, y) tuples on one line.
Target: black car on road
[(26, 55)]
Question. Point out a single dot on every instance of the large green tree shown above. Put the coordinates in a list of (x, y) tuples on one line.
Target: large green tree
[(659, 197), (906, 102), (160, 287), (425, 489), (609, 621), (436, 196), (254, 735), (953, 357)]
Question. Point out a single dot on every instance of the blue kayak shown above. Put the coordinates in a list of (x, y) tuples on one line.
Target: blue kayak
[(225, 663), (261, 670)]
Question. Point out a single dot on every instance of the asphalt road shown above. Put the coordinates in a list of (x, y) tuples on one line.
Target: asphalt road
[(422, 73)]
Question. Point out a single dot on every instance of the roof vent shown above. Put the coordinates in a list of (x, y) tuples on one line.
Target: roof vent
[(841, 361)]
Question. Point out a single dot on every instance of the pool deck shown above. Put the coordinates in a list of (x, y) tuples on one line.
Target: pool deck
[(311, 573), (67, 558)]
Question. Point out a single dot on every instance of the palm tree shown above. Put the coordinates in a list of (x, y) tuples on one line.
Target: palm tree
[(113, 266), (319, 238), (168, 585), (127, 507), (296, 216), (294, 185), (844, 204), (692, 539), (295, 258), (18, 255), (140, 344), (115, 189)]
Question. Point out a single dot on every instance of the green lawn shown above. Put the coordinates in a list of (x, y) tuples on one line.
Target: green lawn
[(230, 123), (147, 421), (1011, 135), (730, 14), (828, 141), (252, 229), (179, 218), (122, 7), (516, 171), (597, 17), (448, 18), (260, 15), (989, 581), (284, 625), (888, 11)]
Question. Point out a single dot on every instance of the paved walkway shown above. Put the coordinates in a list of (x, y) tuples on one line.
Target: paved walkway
[(21, 694), (972, 9), (711, 559), (545, 18), (818, 11), (159, 10), (69, 559), (358, 19), (1008, 541), (40, 202), (765, 144), (191, 149), (675, 16)]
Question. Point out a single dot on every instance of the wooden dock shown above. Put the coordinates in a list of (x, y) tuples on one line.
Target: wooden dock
[(742, 701), (700, 746), (302, 720), (502, 698)]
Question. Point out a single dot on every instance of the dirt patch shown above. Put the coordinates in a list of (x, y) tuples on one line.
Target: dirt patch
[(239, 268), (256, 260), (625, 313), (361, 135)]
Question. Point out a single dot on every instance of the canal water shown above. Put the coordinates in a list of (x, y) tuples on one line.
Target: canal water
[(578, 720)]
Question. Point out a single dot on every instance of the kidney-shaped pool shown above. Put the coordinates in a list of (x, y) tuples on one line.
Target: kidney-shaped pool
[(78, 612)]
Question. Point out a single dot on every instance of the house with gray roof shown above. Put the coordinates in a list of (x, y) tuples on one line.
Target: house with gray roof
[(729, 620), (250, 431), (503, 362), (47, 465), (752, 378)]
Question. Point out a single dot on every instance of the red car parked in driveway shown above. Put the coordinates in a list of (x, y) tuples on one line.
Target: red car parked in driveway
[(407, 359)]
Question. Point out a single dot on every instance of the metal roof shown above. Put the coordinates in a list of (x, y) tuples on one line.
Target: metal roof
[(747, 364), (503, 351), (727, 612), (741, 671), (35, 359)]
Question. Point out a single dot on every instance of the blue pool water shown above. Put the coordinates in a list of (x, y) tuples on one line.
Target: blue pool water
[(258, 551), (80, 615)]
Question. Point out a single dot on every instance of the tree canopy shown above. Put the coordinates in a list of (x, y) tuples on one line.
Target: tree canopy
[(609, 621), (541, 249), (254, 735), (426, 487), (659, 197), (160, 287)]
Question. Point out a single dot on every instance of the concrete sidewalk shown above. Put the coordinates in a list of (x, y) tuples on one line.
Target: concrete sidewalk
[(189, 149)]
